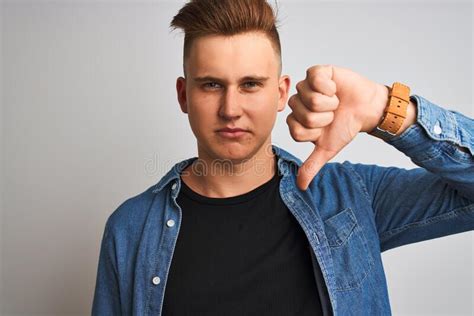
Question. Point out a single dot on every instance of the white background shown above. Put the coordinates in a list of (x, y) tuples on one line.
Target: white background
[(89, 118)]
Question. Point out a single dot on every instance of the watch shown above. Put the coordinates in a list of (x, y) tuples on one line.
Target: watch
[(395, 112)]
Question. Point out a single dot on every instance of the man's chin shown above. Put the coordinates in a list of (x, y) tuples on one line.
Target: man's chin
[(234, 156), (234, 153)]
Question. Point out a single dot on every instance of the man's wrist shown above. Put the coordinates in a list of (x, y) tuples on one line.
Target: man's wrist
[(377, 111)]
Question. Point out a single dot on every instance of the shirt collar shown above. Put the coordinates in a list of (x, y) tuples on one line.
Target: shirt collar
[(174, 173)]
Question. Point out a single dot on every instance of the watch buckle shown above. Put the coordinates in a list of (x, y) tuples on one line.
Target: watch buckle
[(385, 131)]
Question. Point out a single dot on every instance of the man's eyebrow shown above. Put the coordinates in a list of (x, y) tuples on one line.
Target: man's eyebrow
[(255, 78), (246, 78), (206, 78)]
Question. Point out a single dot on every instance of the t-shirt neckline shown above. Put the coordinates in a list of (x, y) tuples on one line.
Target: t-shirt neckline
[(186, 190)]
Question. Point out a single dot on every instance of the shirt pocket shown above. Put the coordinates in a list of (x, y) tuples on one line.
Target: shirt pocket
[(351, 256)]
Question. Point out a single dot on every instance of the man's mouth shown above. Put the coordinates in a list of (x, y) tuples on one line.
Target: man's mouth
[(229, 132)]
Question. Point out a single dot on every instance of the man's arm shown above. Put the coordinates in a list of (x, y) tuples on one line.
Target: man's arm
[(334, 104), (441, 142), (434, 200), (107, 296)]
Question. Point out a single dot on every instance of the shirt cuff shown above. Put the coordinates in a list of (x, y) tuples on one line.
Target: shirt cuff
[(436, 129)]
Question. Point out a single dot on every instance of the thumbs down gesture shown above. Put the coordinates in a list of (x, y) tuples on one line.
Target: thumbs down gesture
[(331, 106)]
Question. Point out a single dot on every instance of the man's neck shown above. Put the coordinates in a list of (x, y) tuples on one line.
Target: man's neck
[(218, 178)]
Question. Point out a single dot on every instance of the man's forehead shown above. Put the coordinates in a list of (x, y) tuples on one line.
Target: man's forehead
[(242, 55)]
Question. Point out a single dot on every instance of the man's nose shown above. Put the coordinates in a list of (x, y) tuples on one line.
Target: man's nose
[(231, 106)]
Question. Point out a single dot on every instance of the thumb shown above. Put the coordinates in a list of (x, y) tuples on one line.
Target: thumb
[(310, 168)]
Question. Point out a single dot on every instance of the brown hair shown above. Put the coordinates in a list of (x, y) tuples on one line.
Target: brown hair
[(199, 18)]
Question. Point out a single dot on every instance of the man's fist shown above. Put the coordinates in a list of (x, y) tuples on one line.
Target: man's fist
[(331, 106)]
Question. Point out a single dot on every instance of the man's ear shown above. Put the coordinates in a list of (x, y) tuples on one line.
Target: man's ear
[(181, 93), (284, 89)]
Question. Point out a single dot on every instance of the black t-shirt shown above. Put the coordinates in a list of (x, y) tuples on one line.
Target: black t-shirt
[(242, 255)]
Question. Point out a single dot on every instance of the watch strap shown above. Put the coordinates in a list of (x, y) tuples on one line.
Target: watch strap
[(395, 112)]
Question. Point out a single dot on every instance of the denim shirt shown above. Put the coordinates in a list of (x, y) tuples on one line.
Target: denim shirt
[(350, 213)]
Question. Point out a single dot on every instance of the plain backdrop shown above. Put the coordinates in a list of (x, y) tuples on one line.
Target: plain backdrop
[(89, 118)]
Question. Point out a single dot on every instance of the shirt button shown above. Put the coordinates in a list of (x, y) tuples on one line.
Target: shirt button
[(173, 186), (170, 223), (156, 280), (437, 129)]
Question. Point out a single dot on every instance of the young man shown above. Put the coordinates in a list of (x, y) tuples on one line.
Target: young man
[(260, 232)]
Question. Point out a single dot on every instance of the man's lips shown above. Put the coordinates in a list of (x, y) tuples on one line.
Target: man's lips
[(232, 133), (232, 130)]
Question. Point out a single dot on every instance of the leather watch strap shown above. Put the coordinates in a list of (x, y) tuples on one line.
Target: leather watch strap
[(395, 112)]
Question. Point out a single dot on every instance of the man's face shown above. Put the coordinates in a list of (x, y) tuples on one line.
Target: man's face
[(232, 82)]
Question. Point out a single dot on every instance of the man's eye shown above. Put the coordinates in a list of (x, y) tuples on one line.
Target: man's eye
[(211, 85), (251, 84)]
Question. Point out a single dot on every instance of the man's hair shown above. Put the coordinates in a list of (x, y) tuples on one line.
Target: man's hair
[(199, 18)]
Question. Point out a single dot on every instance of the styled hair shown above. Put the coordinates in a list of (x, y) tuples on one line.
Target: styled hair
[(199, 18)]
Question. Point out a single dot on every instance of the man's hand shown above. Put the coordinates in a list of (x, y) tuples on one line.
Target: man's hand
[(332, 105)]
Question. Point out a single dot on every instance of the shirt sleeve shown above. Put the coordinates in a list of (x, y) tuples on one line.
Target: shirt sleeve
[(437, 198), (106, 296)]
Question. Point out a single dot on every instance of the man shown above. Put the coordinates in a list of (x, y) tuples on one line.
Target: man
[(260, 232)]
